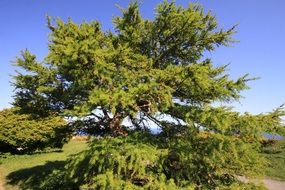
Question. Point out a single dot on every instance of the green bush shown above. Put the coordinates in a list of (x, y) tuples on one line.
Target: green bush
[(24, 132), (272, 149)]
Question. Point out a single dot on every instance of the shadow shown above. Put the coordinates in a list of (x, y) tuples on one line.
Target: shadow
[(47, 176), (44, 151)]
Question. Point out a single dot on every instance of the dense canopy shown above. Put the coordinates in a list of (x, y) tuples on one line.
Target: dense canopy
[(140, 68)]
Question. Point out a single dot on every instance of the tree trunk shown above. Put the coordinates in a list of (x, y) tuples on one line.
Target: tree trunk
[(116, 127)]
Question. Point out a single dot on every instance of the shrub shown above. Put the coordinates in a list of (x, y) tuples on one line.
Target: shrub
[(24, 132)]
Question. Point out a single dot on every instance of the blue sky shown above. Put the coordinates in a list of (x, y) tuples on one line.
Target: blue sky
[(259, 52)]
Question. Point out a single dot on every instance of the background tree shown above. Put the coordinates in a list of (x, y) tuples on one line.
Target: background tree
[(147, 68)]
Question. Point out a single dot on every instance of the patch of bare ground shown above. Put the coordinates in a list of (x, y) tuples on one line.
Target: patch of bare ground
[(270, 184), (1, 186), (274, 184)]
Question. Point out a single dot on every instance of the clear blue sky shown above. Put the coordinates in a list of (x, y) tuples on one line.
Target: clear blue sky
[(260, 52)]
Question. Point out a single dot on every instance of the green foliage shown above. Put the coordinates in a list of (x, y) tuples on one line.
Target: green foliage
[(138, 69), (141, 161), (119, 163), (27, 133), (272, 148), (127, 159), (142, 70)]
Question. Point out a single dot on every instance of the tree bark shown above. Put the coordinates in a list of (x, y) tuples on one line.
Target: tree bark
[(115, 125)]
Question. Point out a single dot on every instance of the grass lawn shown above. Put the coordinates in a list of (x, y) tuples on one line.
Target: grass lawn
[(276, 157), (25, 168)]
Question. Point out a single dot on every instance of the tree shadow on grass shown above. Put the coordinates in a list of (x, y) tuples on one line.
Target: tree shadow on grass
[(47, 176)]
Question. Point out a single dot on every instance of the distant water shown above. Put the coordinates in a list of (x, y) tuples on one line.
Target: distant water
[(273, 136), (266, 135)]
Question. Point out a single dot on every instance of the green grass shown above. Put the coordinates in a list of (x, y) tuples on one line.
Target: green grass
[(24, 170), (276, 158)]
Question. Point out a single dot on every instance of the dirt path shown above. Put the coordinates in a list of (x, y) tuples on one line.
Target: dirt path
[(270, 184), (274, 184), (1, 186)]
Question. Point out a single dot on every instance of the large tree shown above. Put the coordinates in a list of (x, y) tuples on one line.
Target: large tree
[(144, 69)]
